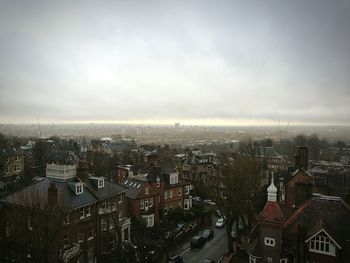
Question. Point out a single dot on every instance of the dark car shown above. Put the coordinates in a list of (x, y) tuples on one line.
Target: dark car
[(197, 242), (175, 259), (207, 234)]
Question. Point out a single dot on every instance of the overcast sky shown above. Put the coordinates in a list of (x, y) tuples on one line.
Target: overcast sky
[(202, 62)]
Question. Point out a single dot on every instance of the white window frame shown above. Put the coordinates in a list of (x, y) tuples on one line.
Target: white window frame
[(91, 234), (187, 189), (103, 224), (146, 190), (142, 204), (111, 223), (78, 189), (166, 195), (322, 245), (268, 241), (101, 183), (171, 194), (151, 202), (81, 236), (120, 215)]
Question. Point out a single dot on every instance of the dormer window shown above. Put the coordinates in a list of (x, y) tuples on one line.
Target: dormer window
[(101, 182), (78, 188), (174, 178)]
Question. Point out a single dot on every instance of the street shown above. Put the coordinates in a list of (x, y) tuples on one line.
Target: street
[(213, 249)]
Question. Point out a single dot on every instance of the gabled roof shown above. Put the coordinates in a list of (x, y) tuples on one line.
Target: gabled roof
[(335, 216), (318, 229)]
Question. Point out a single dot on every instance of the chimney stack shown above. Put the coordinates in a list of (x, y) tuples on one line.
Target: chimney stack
[(52, 195), (83, 170), (303, 157)]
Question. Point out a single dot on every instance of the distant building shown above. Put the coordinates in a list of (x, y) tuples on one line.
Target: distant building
[(14, 163)]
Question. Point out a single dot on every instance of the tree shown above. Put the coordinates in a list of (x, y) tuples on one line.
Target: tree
[(235, 191)]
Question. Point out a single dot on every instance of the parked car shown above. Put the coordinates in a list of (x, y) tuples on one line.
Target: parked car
[(197, 241), (196, 199), (208, 260), (180, 226), (175, 259), (220, 223), (209, 202), (207, 234)]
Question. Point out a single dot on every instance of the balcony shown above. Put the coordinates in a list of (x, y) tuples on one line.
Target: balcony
[(69, 252)]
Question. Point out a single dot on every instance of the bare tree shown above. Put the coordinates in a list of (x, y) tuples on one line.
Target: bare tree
[(234, 190)]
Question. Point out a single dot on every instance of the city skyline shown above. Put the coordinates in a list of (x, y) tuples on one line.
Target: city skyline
[(201, 63)]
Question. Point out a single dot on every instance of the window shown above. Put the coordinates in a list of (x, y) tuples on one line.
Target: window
[(111, 223), (7, 170), (120, 215), (84, 211), (80, 235), (322, 244), (269, 241), (158, 182), (104, 204), (87, 210), (103, 224), (120, 199), (78, 189), (174, 179), (17, 167), (171, 194), (146, 204), (151, 202), (149, 220), (187, 189), (66, 219), (142, 204), (166, 195), (284, 260), (91, 234), (29, 224), (269, 259), (180, 192), (101, 183), (146, 190), (179, 204), (18, 158)]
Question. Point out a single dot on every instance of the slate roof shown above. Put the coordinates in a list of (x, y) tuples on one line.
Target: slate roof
[(11, 151), (109, 189), (38, 193), (134, 187), (335, 216)]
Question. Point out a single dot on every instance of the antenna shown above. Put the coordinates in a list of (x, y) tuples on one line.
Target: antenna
[(39, 128)]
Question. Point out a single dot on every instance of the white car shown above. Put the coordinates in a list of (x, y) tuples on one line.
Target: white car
[(220, 223), (209, 202)]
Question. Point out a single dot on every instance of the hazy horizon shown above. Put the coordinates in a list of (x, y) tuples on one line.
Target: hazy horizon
[(224, 63)]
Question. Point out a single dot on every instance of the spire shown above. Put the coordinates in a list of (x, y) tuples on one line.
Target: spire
[(272, 192)]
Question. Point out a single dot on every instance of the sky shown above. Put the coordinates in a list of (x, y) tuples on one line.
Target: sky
[(194, 62)]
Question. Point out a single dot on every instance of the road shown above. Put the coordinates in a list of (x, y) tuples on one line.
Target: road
[(213, 249)]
